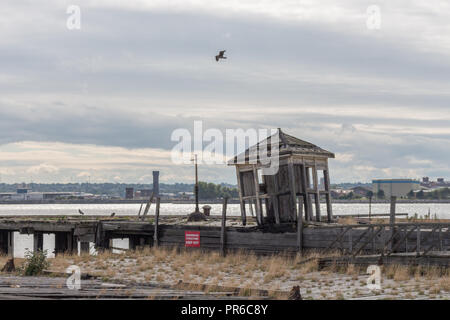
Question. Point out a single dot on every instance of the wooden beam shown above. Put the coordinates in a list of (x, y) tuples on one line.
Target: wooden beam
[(38, 241), (432, 245), (392, 219), (308, 192), (147, 207), (418, 240), (292, 187), (404, 238), (155, 233), (223, 227), (11, 244), (339, 237), (326, 181), (84, 247), (259, 217), (274, 197), (241, 201), (316, 192), (372, 237), (305, 194), (300, 226)]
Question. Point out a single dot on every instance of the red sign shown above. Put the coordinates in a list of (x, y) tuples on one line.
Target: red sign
[(192, 238)]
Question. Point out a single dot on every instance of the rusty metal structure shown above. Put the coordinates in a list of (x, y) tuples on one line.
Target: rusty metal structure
[(291, 192)]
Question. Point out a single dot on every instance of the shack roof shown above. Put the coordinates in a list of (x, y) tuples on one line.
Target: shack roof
[(287, 145)]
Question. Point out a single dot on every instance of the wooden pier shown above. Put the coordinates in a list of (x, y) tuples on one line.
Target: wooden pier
[(354, 240)]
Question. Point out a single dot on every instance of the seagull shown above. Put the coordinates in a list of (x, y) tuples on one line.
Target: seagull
[(220, 55), (80, 212), (113, 214)]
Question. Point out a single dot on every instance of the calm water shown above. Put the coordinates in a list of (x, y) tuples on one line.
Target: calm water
[(22, 242), (442, 210)]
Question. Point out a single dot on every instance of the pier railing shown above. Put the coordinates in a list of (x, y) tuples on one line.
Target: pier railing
[(386, 239)]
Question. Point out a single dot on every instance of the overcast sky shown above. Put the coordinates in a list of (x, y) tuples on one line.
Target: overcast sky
[(102, 101)]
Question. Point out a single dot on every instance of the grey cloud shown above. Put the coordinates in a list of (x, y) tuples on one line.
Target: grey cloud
[(137, 76)]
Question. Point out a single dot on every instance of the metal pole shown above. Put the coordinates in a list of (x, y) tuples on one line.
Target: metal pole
[(197, 209)]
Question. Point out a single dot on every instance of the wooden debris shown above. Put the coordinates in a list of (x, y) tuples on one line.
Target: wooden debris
[(9, 266), (295, 293)]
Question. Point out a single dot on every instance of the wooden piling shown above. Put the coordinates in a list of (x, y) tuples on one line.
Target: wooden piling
[(38, 241), (223, 227), (418, 240), (155, 234), (84, 247), (326, 178), (147, 206), (241, 201), (300, 227), (392, 220), (250, 205), (305, 193), (11, 244), (316, 192), (259, 215), (292, 188), (3, 242)]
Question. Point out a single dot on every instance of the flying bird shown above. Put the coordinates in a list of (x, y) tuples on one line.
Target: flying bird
[(113, 214), (221, 55), (80, 212)]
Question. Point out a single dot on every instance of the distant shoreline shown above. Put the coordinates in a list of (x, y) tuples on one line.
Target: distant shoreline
[(202, 202), (113, 201)]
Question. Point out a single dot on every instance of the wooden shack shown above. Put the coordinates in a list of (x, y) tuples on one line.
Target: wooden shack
[(293, 190)]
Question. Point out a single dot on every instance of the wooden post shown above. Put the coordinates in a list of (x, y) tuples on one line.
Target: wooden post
[(300, 227), (147, 207), (326, 180), (250, 205), (406, 238), (305, 193), (274, 197), (392, 220), (241, 201), (293, 191), (132, 243), (316, 192), (300, 206), (350, 240), (223, 227), (418, 240), (308, 184), (155, 233), (3, 242), (373, 240), (38, 241), (71, 244), (101, 239), (259, 217), (11, 244), (84, 247)]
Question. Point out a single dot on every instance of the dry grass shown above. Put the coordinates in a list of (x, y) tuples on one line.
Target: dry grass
[(444, 283), (277, 274)]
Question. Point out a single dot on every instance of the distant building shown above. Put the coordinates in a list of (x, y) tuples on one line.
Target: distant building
[(129, 193), (395, 187), (145, 193), (360, 191), (425, 180)]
